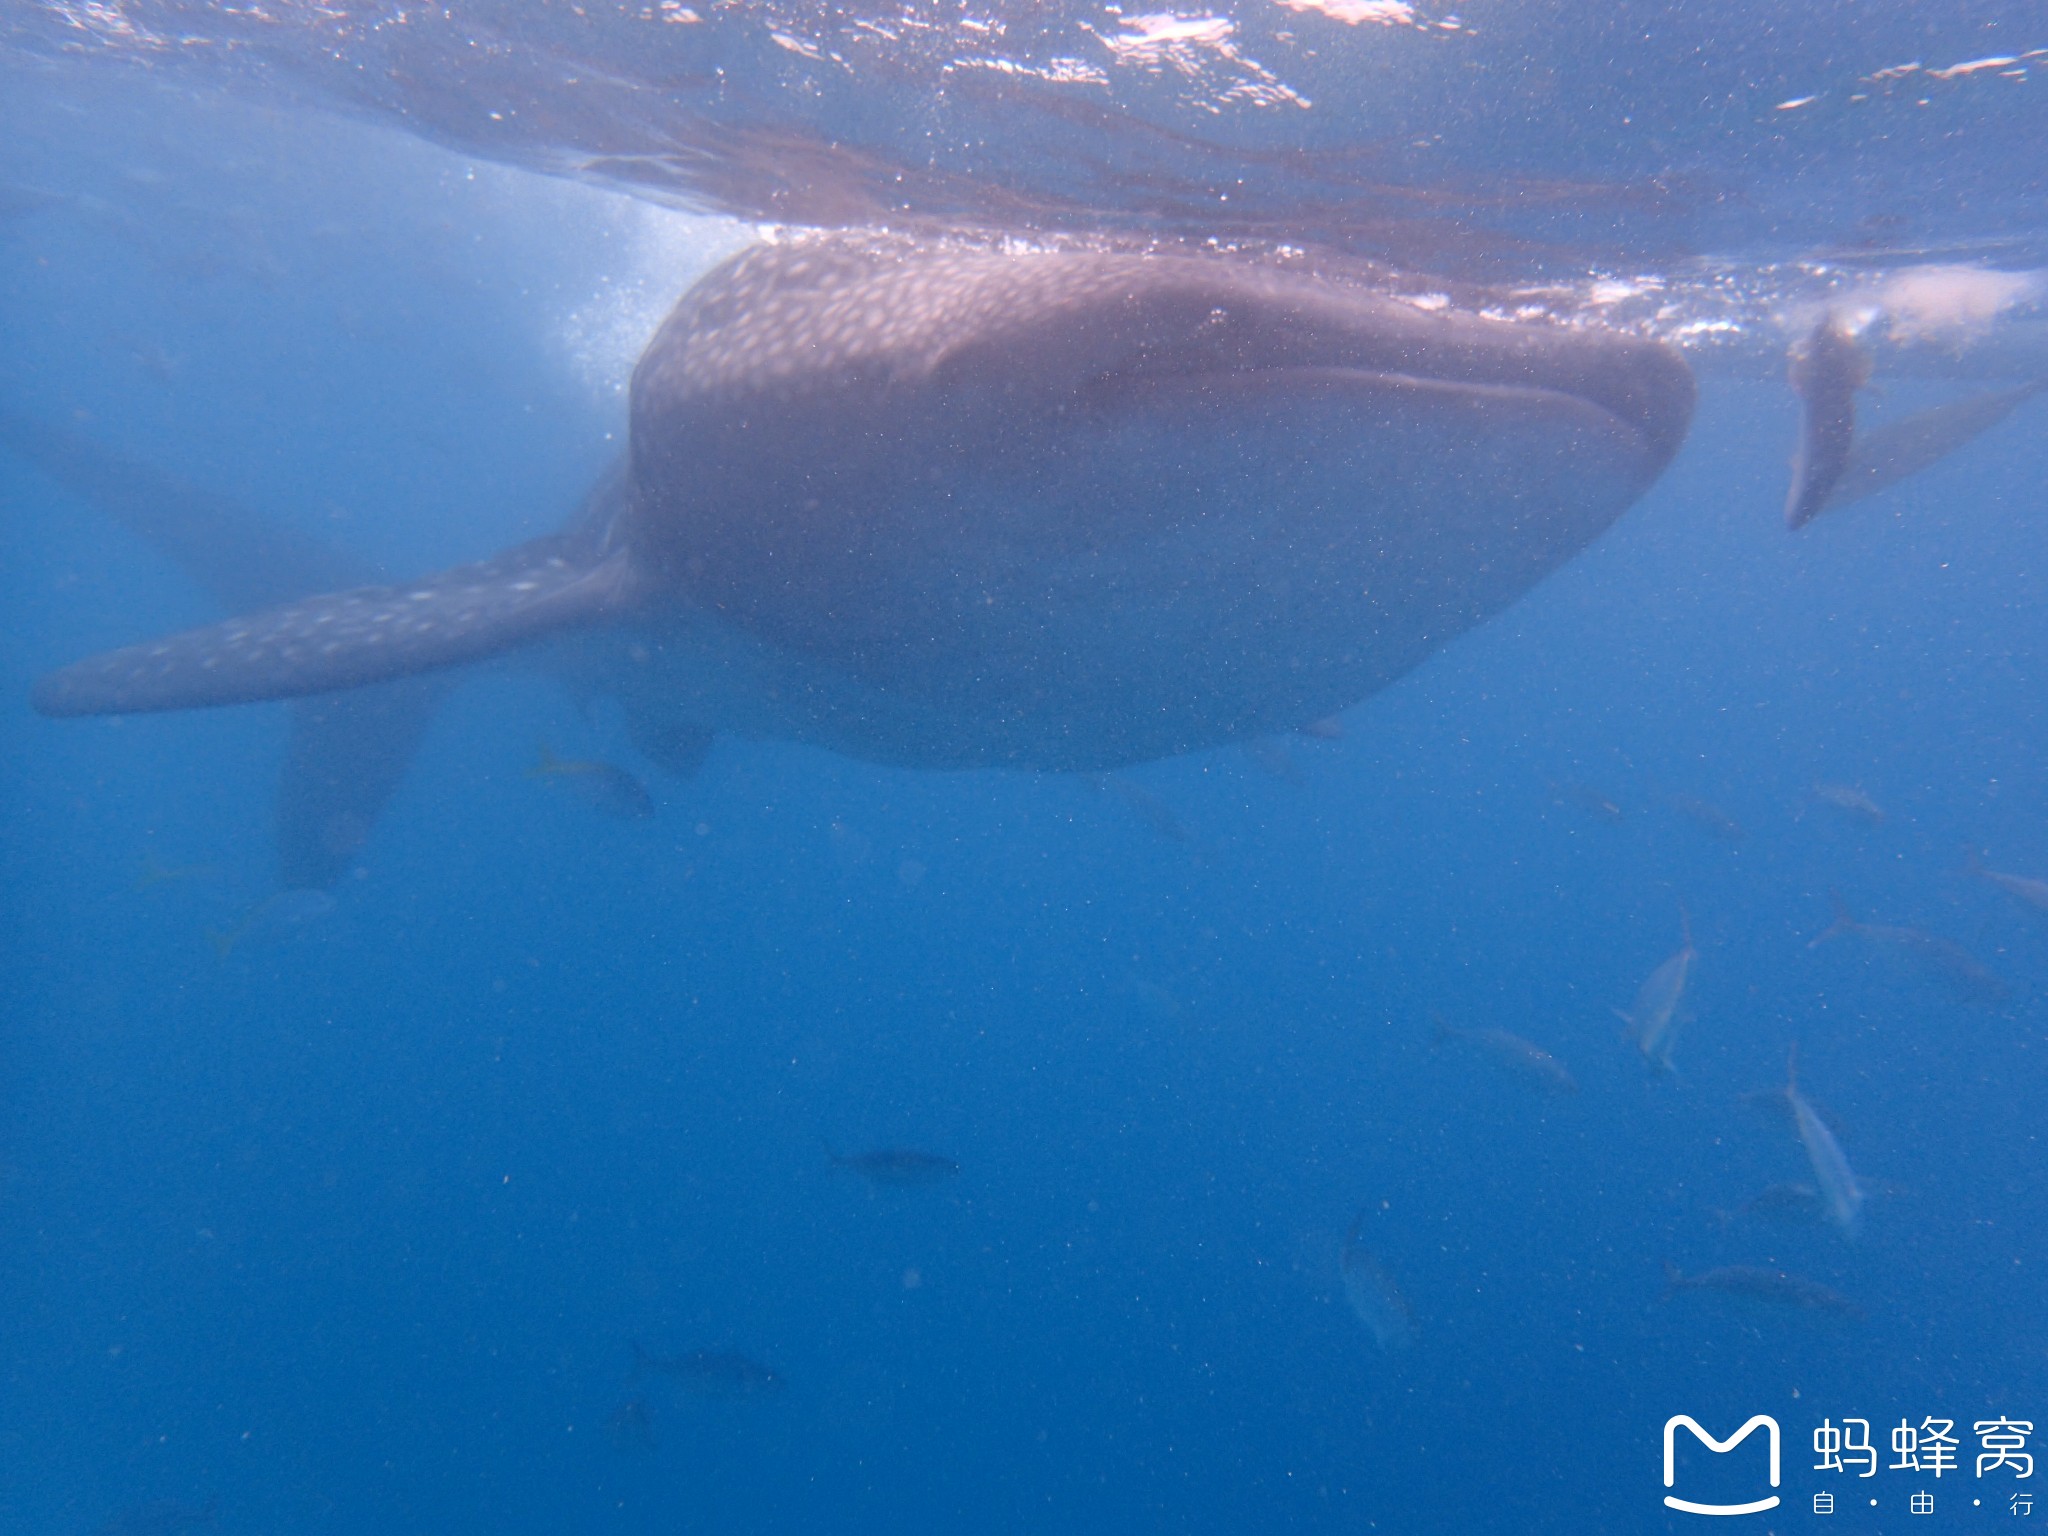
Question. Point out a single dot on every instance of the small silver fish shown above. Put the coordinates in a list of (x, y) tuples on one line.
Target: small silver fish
[(1788, 1204), (1524, 1059), (1840, 1193), (155, 873), (1660, 1010), (631, 1425), (711, 1372), (1372, 1294), (1851, 800), (1143, 804), (899, 1167), (1272, 758), (1769, 1285), (2021, 887), (1586, 798), (605, 786), (277, 918), (18, 200), (1709, 816), (1967, 976), (1157, 1001)]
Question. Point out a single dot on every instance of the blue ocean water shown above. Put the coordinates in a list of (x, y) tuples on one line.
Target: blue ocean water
[(356, 1225)]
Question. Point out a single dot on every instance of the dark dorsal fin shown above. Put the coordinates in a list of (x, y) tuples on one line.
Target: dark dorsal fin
[(348, 639)]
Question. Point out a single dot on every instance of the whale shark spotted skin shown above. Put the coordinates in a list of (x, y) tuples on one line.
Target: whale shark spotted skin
[(959, 501)]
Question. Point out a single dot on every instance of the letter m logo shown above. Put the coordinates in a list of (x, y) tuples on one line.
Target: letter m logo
[(1756, 1506)]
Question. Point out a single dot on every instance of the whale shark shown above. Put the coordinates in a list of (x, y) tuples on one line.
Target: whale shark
[(964, 500)]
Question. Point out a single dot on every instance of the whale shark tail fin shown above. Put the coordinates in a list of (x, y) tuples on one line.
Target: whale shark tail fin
[(346, 752), (348, 639)]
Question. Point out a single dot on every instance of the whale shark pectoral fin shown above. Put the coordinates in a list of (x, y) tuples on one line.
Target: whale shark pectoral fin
[(349, 639)]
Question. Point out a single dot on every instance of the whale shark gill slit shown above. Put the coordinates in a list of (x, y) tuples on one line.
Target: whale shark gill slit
[(348, 639)]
